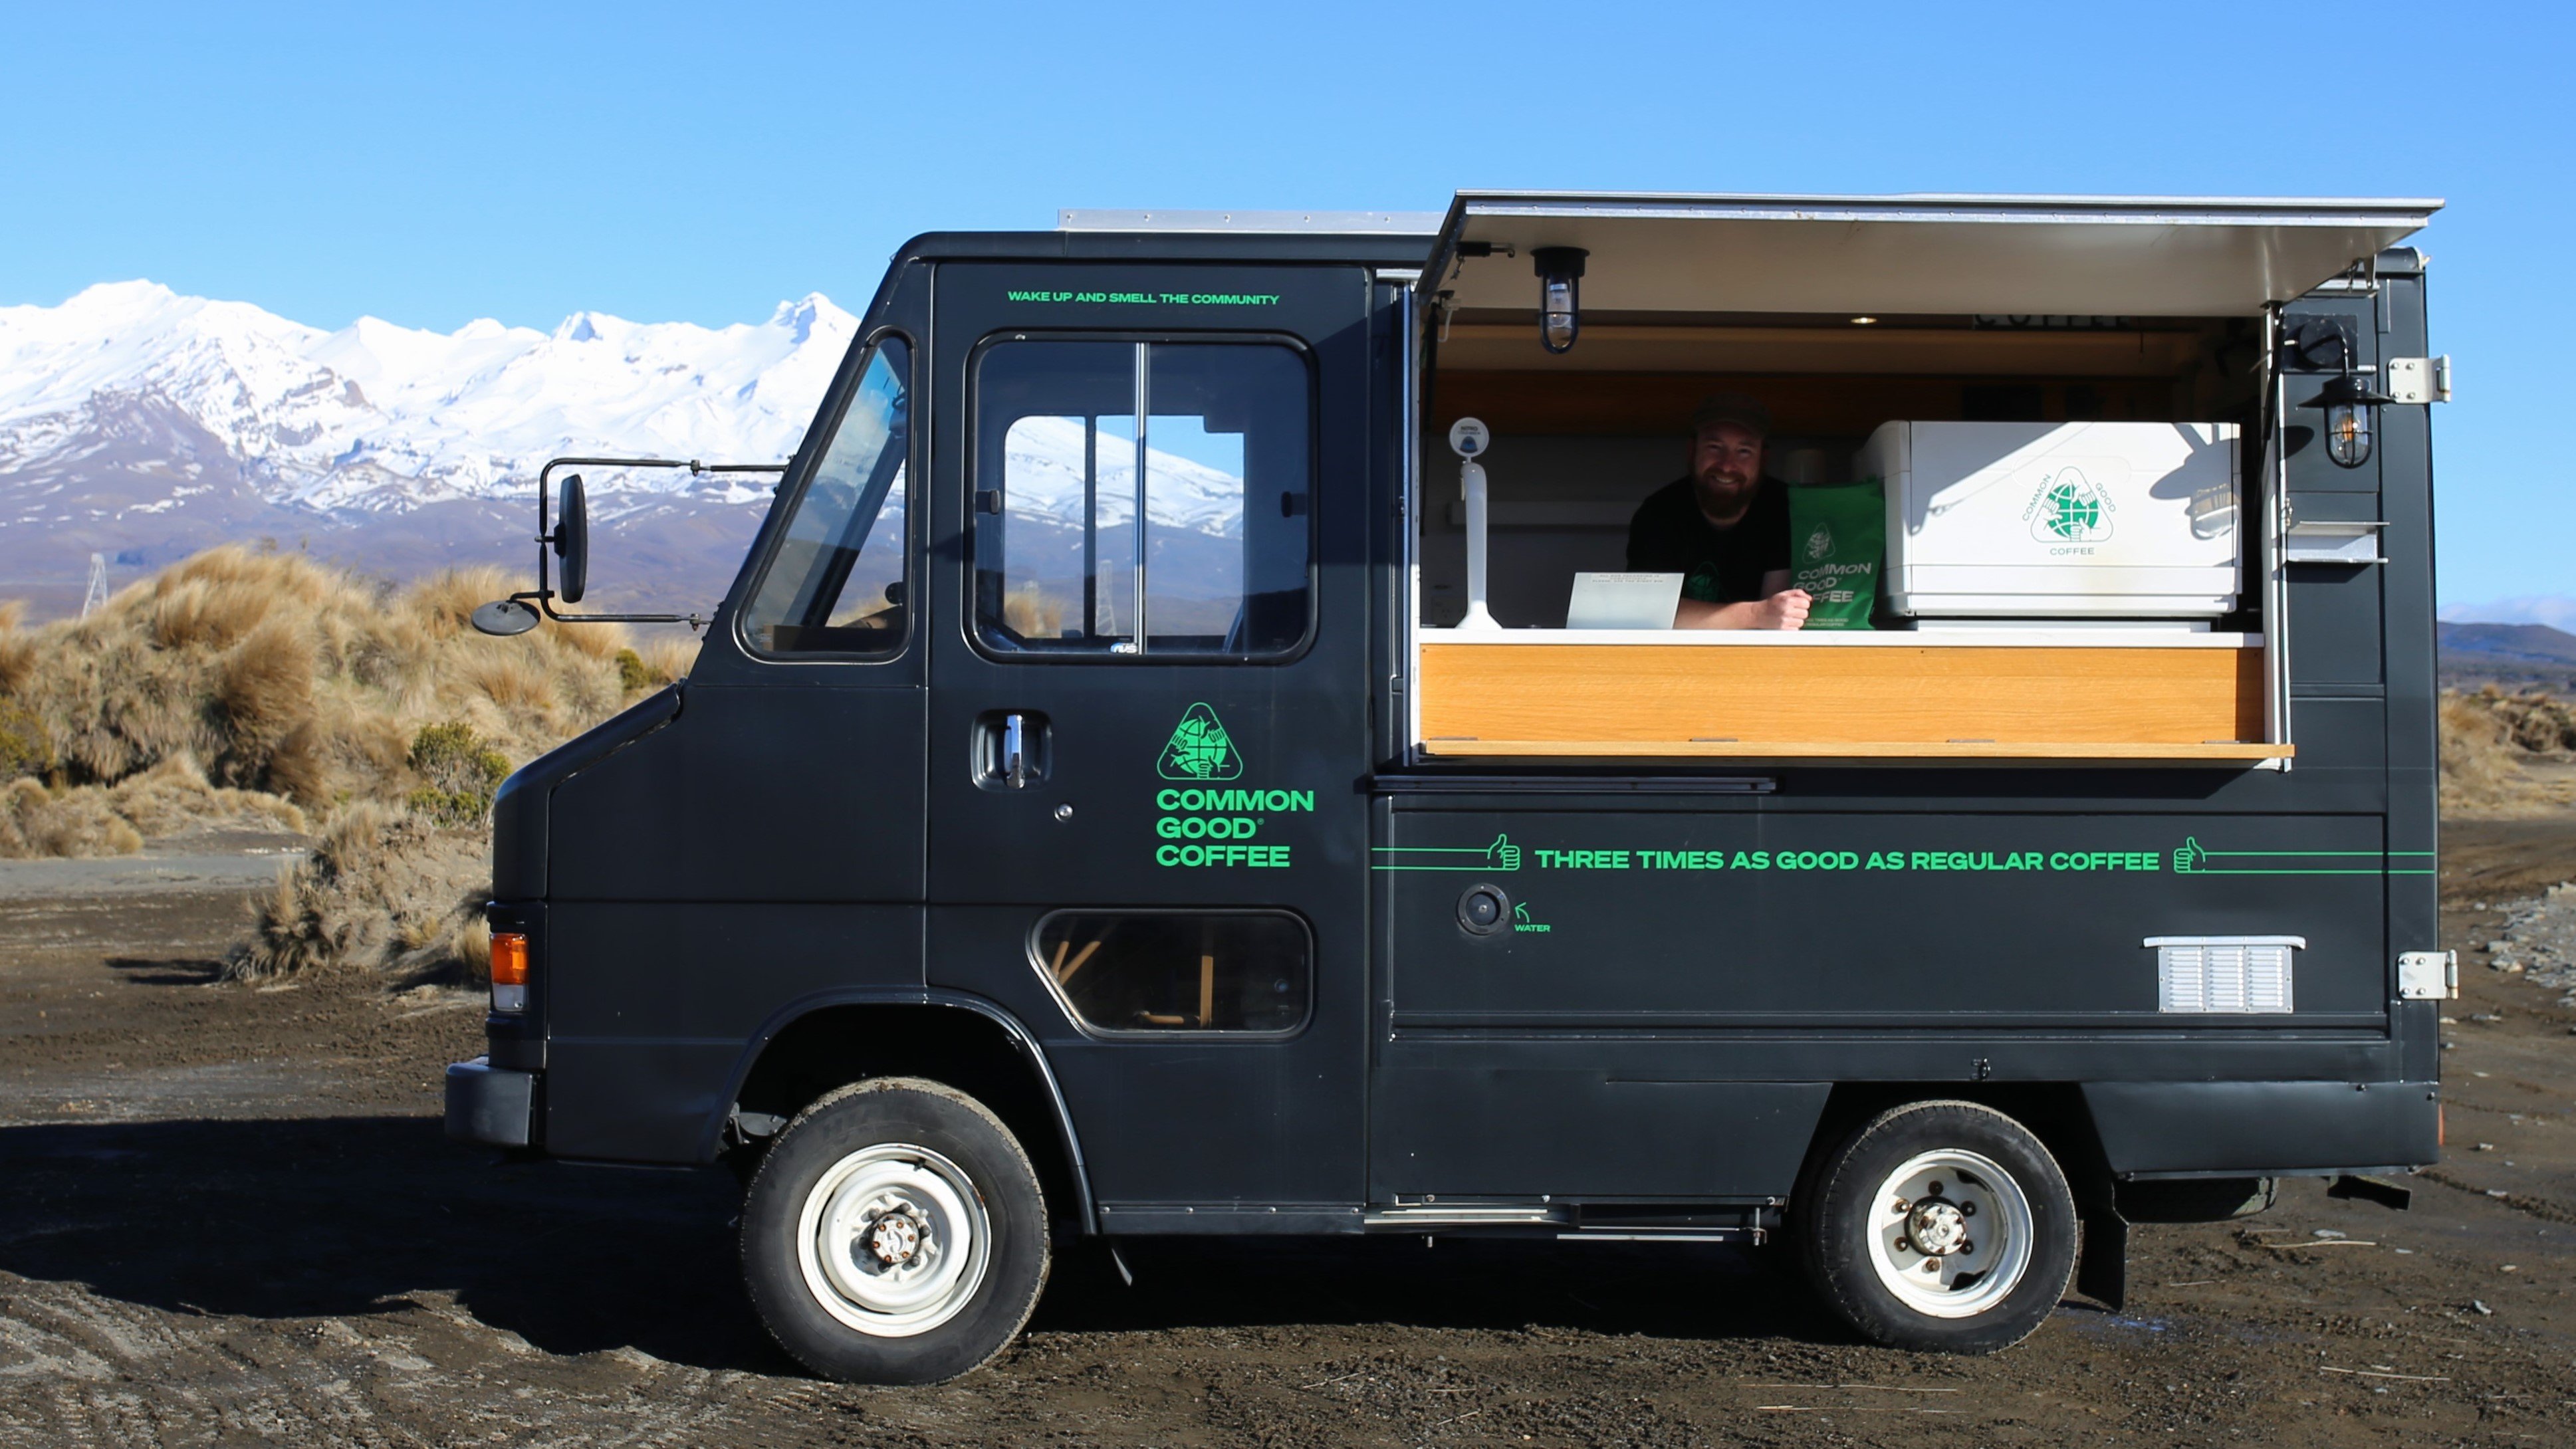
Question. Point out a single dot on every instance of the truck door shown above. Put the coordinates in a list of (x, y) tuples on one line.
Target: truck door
[(1149, 717)]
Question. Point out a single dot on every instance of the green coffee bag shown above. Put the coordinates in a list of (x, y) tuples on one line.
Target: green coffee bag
[(1837, 538)]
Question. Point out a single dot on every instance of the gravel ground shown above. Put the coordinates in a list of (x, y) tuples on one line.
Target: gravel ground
[(2539, 942), (227, 1216)]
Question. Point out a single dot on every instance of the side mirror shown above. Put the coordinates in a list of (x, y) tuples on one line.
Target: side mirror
[(502, 618), (572, 539), (564, 531)]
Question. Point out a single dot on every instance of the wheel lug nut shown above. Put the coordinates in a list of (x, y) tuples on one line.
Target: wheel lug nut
[(1905, 1245), (1967, 1209)]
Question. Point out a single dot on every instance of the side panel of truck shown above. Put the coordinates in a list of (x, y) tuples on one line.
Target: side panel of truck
[(1178, 1125), (762, 849)]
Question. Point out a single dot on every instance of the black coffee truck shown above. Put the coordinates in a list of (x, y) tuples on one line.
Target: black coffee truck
[(1204, 744)]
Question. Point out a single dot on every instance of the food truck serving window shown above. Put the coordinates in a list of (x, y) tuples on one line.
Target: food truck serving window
[(836, 584), (1142, 498)]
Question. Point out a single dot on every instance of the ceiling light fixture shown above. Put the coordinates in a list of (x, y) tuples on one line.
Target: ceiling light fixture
[(1560, 295)]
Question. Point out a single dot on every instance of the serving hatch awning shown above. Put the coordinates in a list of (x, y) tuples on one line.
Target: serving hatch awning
[(1952, 255)]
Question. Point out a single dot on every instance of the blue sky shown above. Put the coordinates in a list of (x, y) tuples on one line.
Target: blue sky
[(433, 164)]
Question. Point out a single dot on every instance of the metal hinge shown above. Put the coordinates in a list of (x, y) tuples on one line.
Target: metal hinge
[(2419, 379), (2428, 975)]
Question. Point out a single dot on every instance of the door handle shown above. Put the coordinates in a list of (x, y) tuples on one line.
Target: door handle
[(1015, 750), (1011, 749)]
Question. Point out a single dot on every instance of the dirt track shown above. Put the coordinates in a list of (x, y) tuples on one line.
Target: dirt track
[(227, 1216)]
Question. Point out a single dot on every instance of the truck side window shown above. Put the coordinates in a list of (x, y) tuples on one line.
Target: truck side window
[(1159, 971), (836, 583), (1142, 498)]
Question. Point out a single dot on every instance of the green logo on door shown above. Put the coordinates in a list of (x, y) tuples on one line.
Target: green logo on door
[(1200, 749)]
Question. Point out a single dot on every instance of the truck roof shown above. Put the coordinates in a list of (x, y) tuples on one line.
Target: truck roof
[(1915, 252), (1378, 249)]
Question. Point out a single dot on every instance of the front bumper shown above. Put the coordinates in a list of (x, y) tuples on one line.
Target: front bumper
[(490, 1104)]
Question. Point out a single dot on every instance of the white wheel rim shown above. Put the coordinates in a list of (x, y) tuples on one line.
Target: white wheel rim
[(893, 1240), (1950, 1233)]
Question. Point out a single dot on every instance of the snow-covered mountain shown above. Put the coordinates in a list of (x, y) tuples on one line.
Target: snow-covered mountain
[(1043, 468), (141, 424), (385, 418)]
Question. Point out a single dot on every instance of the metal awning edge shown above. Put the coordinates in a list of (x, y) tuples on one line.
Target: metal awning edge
[(1958, 206)]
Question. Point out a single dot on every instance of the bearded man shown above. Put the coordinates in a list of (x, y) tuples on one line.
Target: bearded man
[(1724, 527)]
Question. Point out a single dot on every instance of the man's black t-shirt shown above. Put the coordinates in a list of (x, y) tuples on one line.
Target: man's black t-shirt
[(1669, 535)]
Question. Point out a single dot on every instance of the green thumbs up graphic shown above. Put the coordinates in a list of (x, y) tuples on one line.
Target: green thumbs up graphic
[(1503, 854), (2188, 856)]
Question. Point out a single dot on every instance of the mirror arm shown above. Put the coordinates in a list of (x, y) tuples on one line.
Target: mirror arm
[(544, 600), (543, 595)]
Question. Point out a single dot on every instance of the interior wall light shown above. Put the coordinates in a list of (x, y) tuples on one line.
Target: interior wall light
[(1864, 321), (1560, 295)]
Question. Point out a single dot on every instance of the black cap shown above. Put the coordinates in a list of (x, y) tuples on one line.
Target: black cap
[(1732, 407)]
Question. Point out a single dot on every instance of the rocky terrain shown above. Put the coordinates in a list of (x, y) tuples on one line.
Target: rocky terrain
[(2539, 943), (229, 1216)]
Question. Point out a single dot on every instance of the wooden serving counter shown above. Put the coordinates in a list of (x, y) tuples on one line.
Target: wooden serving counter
[(2005, 694)]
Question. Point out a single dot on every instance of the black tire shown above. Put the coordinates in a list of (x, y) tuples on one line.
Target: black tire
[(925, 1147), (1845, 1231)]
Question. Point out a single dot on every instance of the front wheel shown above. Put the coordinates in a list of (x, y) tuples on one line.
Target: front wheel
[(894, 1234), (1943, 1226)]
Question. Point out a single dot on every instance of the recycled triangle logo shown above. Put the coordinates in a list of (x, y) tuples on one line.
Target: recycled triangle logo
[(1200, 749)]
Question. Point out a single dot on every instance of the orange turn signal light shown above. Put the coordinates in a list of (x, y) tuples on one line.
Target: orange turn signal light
[(509, 958)]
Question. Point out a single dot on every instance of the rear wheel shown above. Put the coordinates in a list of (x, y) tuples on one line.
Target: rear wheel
[(1940, 1225), (895, 1233)]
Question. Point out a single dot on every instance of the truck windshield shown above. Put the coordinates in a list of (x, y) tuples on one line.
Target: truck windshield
[(836, 583)]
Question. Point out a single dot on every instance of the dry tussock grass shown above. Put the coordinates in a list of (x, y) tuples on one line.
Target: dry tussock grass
[(206, 614), (665, 658), (514, 683), (171, 798), (2479, 771), (381, 885), (250, 689), (279, 674), (337, 753), (38, 821), (442, 605), (17, 651), (2506, 754), (174, 797)]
